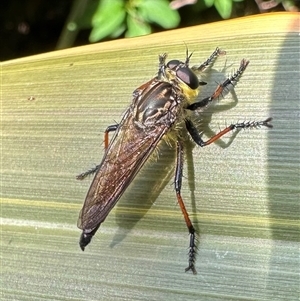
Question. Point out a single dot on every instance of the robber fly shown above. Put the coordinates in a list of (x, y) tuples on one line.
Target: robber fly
[(158, 107)]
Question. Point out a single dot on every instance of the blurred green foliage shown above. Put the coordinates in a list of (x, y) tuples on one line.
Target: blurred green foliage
[(114, 17), (130, 18), (224, 7)]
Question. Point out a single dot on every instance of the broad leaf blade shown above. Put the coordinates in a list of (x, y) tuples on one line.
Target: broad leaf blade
[(244, 199)]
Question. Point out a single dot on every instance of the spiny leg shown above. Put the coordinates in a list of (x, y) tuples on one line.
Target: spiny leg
[(91, 171), (178, 182), (232, 80), (243, 125), (209, 61), (179, 167)]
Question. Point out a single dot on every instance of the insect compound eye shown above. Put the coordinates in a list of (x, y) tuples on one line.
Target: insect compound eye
[(184, 73), (188, 77), (173, 64)]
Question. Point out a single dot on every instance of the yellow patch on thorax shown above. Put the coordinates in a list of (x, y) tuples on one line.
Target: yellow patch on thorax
[(189, 94)]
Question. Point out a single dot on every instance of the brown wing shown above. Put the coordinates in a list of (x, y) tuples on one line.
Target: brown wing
[(129, 149)]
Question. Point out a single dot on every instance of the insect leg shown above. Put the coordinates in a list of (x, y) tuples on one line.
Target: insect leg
[(178, 182), (110, 128), (87, 173), (209, 61), (93, 170), (232, 80), (243, 125)]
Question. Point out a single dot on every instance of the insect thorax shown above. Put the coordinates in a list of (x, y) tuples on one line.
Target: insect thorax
[(161, 101), (157, 104)]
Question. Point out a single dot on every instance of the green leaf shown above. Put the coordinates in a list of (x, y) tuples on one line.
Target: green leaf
[(209, 3), (108, 19), (119, 31), (136, 27), (159, 12), (224, 8)]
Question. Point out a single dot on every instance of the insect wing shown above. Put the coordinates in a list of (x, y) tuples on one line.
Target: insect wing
[(129, 149)]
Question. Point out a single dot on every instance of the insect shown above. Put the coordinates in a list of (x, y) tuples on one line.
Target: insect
[(159, 106)]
